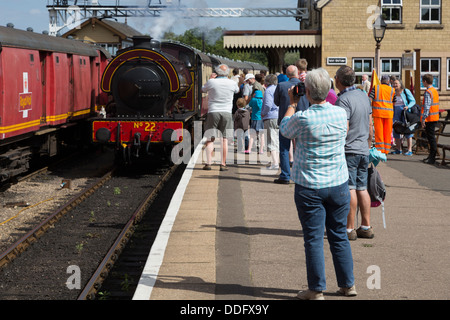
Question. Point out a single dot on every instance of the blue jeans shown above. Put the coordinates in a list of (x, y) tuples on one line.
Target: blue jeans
[(285, 145), (319, 209)]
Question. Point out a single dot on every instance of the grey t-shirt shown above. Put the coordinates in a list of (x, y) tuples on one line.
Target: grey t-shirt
[(357, 105)]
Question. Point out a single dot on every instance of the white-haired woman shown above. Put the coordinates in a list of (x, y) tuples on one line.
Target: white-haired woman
[(320, 174)]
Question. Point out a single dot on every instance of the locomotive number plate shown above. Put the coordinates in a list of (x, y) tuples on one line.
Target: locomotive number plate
[(147, 126)]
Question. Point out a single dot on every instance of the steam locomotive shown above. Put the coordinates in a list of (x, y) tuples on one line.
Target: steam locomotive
[(155, 96), (49, 88)]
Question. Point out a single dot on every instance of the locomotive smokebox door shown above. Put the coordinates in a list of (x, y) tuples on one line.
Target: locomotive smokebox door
[(140, 88)]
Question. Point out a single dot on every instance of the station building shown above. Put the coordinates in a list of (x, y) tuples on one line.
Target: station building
[(109, 34), (339, 32)]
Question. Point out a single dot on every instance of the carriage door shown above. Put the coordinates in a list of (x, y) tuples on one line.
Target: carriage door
[(71, 92), (43, 57)]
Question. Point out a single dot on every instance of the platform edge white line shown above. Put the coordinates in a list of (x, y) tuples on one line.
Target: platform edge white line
[(156, 256)]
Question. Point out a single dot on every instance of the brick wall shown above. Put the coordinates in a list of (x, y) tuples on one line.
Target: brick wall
[(345, 34)]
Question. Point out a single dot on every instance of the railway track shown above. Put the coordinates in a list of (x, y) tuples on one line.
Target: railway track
[(124, 276), (32, 236), (91, 289), (87, 235)]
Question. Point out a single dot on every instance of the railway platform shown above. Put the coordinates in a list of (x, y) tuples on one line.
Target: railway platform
[(235, 235)]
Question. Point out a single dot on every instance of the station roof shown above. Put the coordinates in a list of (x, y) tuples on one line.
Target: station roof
[(248, 39), (123, 30)]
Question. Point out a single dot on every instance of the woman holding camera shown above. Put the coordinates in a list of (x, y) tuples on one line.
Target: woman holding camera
[(320, 174)]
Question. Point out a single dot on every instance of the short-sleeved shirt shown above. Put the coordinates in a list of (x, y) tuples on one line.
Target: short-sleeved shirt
[(358, 108), (220, 91), (319, 133)]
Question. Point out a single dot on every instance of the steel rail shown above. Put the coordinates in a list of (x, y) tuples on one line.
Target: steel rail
[(32, 236), (116, 249)]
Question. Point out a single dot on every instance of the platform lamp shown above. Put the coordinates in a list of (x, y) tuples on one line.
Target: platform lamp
[(379, 28)]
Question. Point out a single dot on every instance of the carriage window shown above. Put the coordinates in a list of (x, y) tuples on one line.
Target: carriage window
[(186, 59), (57, 59), (31, 57)]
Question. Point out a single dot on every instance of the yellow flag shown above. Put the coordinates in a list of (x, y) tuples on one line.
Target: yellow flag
[(375, 81)]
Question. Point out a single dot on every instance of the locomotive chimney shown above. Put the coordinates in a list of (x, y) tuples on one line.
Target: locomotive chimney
[(146, 42), (142, 42)]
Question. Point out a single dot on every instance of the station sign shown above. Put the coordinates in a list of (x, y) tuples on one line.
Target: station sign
[(336, 61), (409, 61)]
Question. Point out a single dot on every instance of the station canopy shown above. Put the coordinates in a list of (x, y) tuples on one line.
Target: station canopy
[(256, 39)]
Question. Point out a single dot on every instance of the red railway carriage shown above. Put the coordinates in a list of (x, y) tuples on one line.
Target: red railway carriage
[(47, 85)]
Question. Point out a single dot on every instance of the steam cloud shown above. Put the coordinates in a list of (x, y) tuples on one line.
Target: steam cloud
[(175, 16)]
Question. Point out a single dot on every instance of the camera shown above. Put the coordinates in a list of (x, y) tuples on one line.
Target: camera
[(299, 89)]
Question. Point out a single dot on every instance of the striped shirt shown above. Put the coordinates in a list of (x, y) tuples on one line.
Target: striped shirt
[(426, 105), (319, 133)]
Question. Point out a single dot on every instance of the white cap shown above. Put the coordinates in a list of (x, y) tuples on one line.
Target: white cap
[(249, 76)]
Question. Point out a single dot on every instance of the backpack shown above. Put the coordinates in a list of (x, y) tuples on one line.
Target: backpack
[(376, 189)]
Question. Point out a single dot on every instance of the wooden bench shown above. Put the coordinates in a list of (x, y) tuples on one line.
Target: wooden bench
[(443, 146), (421, 143)]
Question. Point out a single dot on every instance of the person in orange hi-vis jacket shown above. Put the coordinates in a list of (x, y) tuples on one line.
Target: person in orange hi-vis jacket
[(383, 98), (430, 115)]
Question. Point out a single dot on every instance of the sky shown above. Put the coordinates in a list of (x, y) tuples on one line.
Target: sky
[(34, 13)]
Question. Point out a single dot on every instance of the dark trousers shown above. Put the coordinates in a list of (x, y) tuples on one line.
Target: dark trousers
[(430, 128)]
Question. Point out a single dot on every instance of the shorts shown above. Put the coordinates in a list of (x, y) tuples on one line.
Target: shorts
[(221, 121), (271, 127), (357, 165)]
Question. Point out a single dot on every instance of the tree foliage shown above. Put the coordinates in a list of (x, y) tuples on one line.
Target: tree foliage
[(211, 41)]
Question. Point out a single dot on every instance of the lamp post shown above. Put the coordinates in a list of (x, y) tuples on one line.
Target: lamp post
[(379, 28)]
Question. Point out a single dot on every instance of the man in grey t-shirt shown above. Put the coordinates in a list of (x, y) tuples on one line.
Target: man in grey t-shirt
[(359, 139)]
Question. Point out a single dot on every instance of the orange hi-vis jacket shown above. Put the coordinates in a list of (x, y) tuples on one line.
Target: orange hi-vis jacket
[(434, 108), (382, 105)]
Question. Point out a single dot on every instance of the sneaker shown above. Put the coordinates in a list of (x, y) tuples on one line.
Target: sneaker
[(409, 153), (396, 152), (273, 167), (223, 168), (348, 292), (207, 167), (365, 233), (281, 181), (247, 151), (352, 235), (310, 295)]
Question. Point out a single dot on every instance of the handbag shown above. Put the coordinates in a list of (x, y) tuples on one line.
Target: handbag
[(410, 123)]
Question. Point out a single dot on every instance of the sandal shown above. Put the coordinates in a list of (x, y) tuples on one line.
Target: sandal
[(223, 168)]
